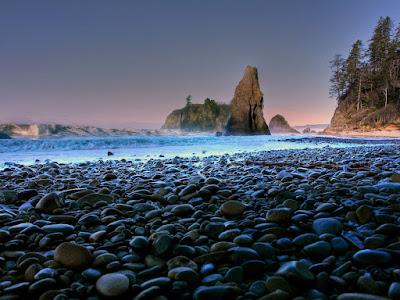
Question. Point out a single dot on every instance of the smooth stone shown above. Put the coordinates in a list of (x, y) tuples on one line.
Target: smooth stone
[(241, 254), (139, 242), (318, 249), (296, 271), (183, 261), (264, 250), (220, 292), (339, 245), (305, 239), (163, 282), (278, 295), (94, 199), (64, 228), (112, 285), (369, 257), (279, 215), (327, 225), (149, 293), (72, 255), (367, 284), (42, 284), (234, 274), (207, 269), (162, 244), (49, 202), (212, 279), (232, 208), (277, 283), (45, 273), (17, 288), (258, 288), (184, 274), (364, 214), (191, 188), (394, 290), (91, 274), (182, 209), (360, 296)]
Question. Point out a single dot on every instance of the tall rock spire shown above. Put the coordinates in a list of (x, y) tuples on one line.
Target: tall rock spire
[(247, 107)]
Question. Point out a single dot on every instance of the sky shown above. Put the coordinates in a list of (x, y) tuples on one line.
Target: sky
[(129, 63)]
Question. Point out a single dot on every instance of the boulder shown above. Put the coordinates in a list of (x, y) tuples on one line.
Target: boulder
[(246, 116)]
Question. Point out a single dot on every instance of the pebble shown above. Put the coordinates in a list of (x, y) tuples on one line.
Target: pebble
[(296, 271), (49, 202), (72, 255), (215, 293), (318, 249), (324, 224), (279, 215), (232, 208), (369, 257), (327, 225), (112, 285)]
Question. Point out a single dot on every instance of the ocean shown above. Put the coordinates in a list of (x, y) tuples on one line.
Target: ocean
[(81, 149)]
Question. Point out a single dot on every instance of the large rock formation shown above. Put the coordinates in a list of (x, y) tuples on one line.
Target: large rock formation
[(278, 124), (247, 107), (209, 117)]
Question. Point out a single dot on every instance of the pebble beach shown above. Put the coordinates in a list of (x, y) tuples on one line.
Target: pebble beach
[(285, 224)]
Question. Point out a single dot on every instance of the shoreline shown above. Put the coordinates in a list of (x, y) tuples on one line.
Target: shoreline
[(245, 226)]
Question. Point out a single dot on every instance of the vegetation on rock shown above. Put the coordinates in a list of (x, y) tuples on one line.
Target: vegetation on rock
[(367, 83), (209, 116)]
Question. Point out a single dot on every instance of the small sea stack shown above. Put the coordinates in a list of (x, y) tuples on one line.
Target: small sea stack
[(278, 124), (4, 136)]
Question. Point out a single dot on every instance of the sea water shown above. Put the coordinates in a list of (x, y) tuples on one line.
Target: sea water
[(81, 149)]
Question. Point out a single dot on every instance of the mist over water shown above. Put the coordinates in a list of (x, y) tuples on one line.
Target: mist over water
[(72, 150)]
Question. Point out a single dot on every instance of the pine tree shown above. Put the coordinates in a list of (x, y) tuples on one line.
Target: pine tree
[(188, 100), (338, 78), (379, 54)]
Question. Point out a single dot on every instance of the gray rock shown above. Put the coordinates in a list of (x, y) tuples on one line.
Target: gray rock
[(327, 225), (112, 285)]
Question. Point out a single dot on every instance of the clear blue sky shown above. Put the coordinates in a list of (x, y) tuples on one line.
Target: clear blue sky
[(129, 63)]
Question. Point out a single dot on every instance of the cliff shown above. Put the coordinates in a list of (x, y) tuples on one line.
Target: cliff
[(209, 117), (349, 118), (278, 124), (246, 114)]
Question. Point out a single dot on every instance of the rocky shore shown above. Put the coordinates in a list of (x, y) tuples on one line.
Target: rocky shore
[(290, 224)]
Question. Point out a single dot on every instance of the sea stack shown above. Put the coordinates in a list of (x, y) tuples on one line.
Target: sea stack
[(246, 115), (278, 124)]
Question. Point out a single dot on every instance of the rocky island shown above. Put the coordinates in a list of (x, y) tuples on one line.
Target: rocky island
[(244, 116), (278, 124), (207, 117)]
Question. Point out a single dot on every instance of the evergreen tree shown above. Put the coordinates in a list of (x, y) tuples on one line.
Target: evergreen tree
[(338, 78), (355, 70), (188, 100), (380, 52)]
